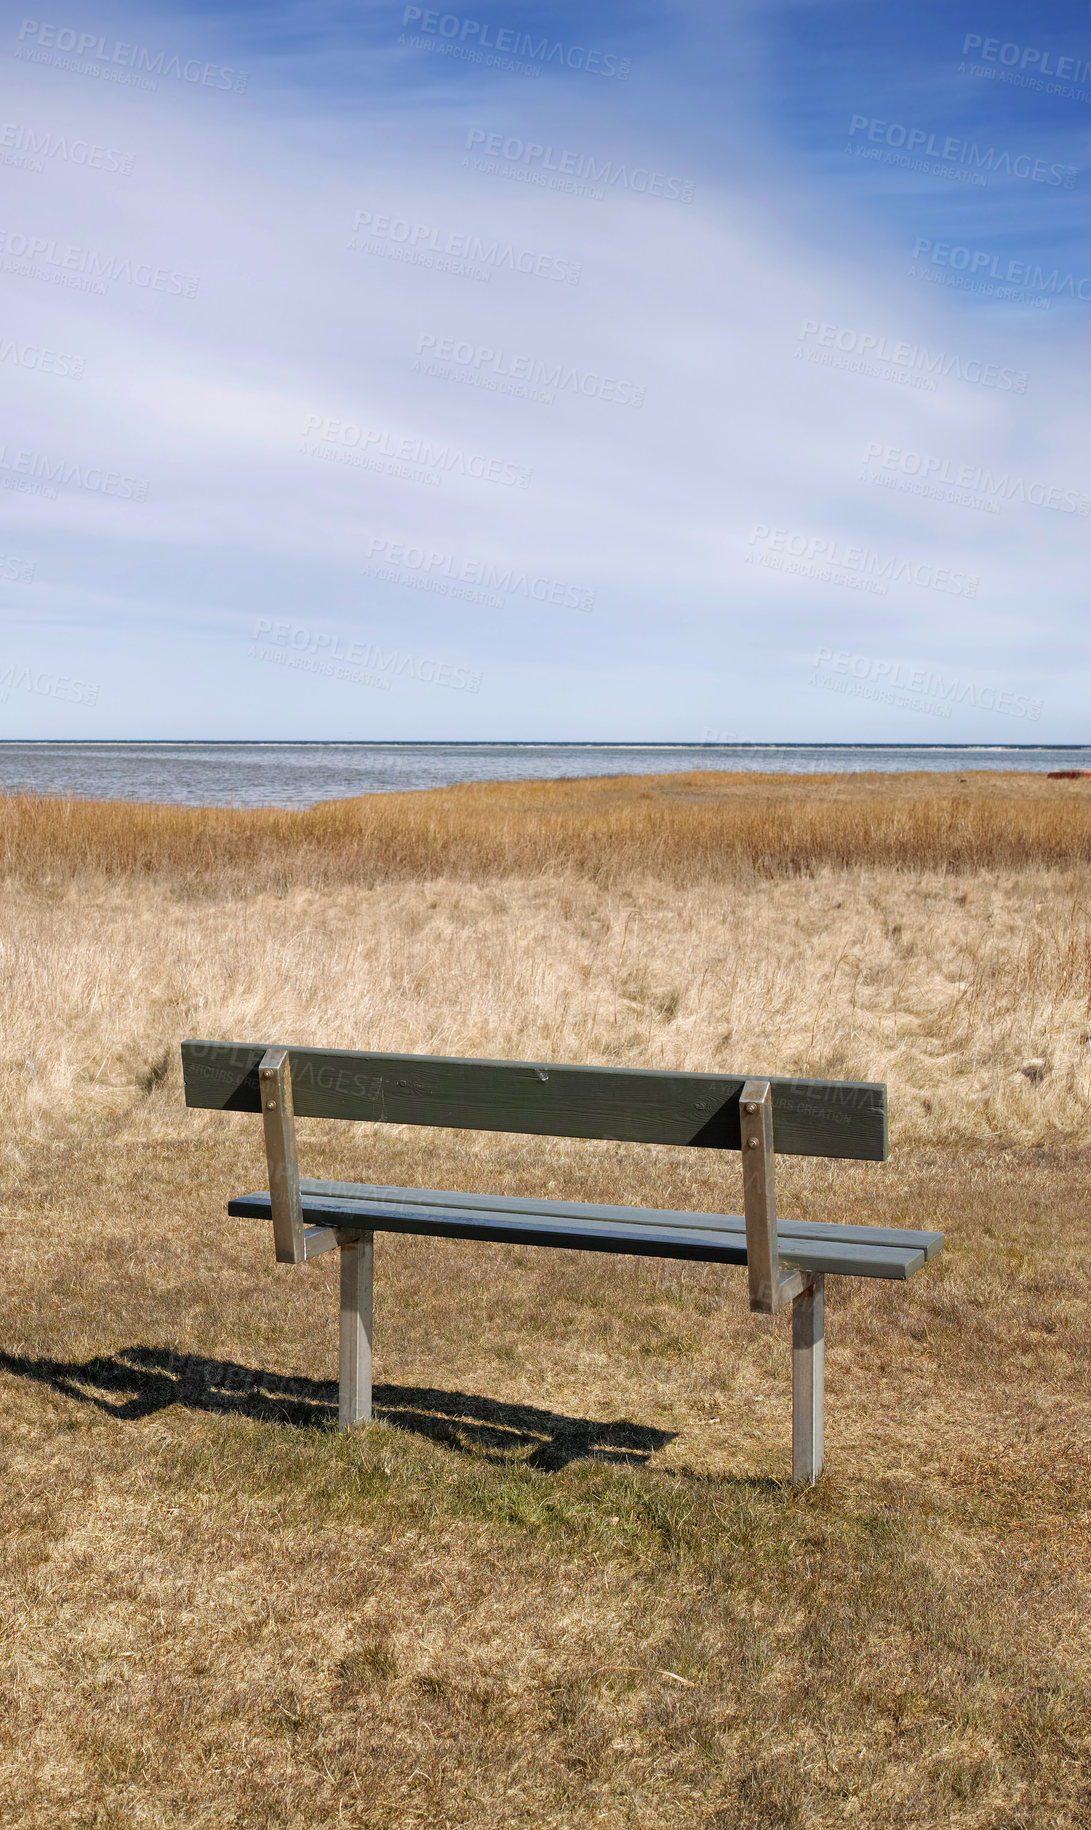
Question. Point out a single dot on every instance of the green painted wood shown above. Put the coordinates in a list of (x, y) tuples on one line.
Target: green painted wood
[(904, 1237), (834, 1118), (590, 1233)]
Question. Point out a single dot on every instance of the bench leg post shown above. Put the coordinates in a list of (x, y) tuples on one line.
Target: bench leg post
[(808, 1382), (354, 1393)]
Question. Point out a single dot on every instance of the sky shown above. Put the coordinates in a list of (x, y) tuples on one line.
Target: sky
[(663, 372)]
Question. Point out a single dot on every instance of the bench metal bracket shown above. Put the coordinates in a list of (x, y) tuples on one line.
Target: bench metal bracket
[(319, 1239), (281, 1155), (773, 1287), (296, 1243)]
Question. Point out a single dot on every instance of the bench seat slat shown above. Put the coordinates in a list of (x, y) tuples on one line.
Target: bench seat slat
[(910, 1237), (592, 1229)]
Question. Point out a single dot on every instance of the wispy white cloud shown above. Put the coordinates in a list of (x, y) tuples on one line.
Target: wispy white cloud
[(212, 398)]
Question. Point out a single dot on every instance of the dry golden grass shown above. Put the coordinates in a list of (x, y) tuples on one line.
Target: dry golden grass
[(676, 826), (562, 1581)]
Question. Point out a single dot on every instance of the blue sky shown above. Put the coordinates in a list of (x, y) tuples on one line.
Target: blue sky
[(657, 372)]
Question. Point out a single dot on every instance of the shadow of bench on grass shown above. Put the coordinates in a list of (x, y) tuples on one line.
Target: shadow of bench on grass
[(139, 1381)]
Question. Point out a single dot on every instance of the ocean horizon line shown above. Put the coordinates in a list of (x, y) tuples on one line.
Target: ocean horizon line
[(503, 743)]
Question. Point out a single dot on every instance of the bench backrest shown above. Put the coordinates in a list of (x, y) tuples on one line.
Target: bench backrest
[(832, 1118)]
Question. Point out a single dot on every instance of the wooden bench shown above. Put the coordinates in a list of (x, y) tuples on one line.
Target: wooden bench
[(787, 1261)]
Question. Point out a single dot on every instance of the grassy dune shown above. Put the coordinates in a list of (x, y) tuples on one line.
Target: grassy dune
[(562, 1581)]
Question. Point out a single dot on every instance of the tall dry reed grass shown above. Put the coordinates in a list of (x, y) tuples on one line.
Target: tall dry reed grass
[(676, 827)]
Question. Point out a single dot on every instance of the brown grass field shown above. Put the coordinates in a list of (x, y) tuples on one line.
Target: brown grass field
[(563, 1581)]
